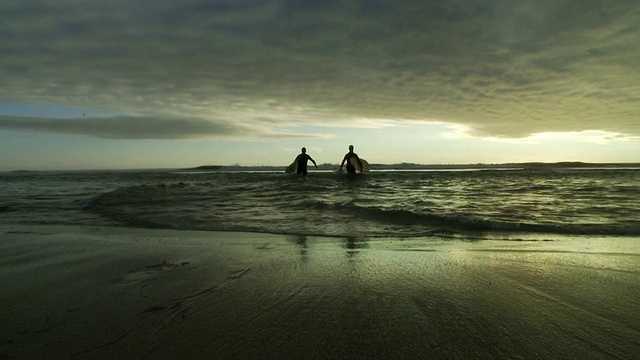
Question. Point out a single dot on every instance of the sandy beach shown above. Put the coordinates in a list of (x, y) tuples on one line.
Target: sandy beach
[(115, 293)]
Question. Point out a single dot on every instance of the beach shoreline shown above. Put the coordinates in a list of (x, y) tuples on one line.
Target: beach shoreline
[(100, 292)]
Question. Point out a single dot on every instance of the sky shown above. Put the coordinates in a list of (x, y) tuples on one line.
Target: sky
[(95, 84)]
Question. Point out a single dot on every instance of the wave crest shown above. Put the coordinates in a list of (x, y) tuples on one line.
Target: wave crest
[(210, 206)]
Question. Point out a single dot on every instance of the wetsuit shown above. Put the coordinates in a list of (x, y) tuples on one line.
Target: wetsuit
[(302, 164), (350, 168)]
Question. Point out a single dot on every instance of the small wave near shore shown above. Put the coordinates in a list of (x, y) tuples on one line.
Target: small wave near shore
[(383, 205)]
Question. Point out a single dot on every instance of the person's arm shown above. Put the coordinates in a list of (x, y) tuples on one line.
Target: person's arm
[(343, 160), (313, 161)]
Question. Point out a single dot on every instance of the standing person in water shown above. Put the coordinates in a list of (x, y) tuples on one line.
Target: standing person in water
[(302, 162), (347, 158)]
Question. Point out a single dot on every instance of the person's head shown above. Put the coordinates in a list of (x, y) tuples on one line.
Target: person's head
[(304, 150), (350, 147)]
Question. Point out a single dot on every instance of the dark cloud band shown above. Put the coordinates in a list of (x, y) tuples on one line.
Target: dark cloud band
[(126, 127)]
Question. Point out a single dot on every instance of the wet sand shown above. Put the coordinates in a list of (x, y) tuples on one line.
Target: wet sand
[(108, 293)]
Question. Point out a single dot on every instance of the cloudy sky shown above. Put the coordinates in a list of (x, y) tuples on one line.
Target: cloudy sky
[(165, 83)]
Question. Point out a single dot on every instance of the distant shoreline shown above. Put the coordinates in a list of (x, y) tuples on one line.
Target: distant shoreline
[(400, 166), (413, 166)]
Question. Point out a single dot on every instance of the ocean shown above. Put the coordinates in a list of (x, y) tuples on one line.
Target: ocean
[(464, 264), (511, 204)]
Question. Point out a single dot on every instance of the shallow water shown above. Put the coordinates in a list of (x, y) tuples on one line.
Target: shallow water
[(486, 203), (106, 292)]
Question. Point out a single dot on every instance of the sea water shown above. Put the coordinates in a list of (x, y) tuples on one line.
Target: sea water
[(474, 204)]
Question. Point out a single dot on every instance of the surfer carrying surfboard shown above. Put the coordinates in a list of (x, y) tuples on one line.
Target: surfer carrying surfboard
[(302, 159), (351, 169)]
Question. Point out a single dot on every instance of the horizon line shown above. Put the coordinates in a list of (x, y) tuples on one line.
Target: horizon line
[(385, 165)]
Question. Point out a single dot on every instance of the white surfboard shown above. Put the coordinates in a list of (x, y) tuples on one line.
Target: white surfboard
[(365, 164), (291, 169)]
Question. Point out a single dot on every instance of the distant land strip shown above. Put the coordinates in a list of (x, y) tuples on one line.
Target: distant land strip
[(413, 166), (401, 166)]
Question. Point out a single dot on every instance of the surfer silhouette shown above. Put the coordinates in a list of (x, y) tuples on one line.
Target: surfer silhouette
[(347, 158), (302, 159)]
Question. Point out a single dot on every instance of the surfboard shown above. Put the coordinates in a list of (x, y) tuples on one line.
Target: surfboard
[(291, 169), (365, 164)]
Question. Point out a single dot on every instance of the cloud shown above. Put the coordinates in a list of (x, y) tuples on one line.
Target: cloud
[(501, 68), (139, 127)]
